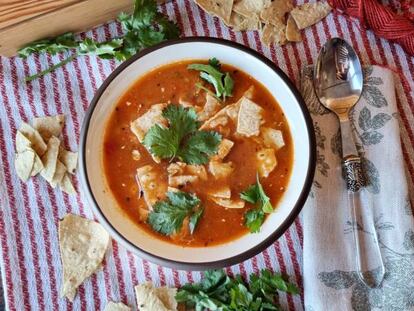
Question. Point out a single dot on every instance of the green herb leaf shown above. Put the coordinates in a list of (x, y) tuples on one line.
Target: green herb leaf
[(104, 49), (222, 82), (255, 194), (217, 291), (253, 219), (53, 46), (144, 28), (199, 147), (167, 216), (194, 219), (181, 139)]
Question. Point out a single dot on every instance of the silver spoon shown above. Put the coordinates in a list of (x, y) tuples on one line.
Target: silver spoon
[(338, 81)]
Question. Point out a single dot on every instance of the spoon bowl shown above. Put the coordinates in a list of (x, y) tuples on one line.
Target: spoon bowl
[(338, 77)]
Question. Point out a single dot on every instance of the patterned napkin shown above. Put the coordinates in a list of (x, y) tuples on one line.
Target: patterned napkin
[(330, 280)]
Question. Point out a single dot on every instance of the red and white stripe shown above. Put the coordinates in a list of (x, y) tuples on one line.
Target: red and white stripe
[(29, 212)]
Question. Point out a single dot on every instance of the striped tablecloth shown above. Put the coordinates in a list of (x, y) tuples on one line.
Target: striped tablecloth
[(29, 213)]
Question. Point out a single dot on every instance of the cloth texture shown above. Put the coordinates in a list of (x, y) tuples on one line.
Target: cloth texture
[(29, 213), (329, 246)]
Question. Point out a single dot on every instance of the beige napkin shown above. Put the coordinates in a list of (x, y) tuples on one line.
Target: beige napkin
[(330, 280)]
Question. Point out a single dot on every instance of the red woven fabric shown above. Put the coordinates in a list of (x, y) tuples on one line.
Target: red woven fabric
[(381, 19)]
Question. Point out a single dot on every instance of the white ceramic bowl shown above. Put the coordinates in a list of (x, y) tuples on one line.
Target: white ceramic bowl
[(131, 235)]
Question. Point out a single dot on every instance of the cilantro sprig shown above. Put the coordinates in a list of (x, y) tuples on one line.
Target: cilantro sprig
[(255, 194), (181, 139), (167, 216), (222, 82), (143, 28), (217, 291)]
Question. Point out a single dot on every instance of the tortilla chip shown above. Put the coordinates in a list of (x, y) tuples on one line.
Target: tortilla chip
[(167, 296), (292, 30), (151, 183), (50, 158), (223, 149), (250, 8), (59, 174), (49, 126), (274, 34), (219, 169), (22, 142), (229, 203), (69, 159), (250, 118), (224, 192), (37, 142), (83, 244), (211, 106), (241, 23), (219, 8), (116, 306), (272, 138), (276, 12), (307, 14), (37, 165), (153, 116), (155, 299), (66, 185), (266, 161), (23, 162)]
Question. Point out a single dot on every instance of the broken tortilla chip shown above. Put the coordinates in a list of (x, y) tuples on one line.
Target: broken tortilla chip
[(49, 126), (83, 244), (250, 8), (37, 165), (308, 14), (292, 30), (23, 163), (50, 158), (241, 23), (69, 159), (59, 174), (150, 298), (274, 34), (250, 118), (22, 142), (66, 185), (37, 142), (219, 8), (276, 12), (116, 306)]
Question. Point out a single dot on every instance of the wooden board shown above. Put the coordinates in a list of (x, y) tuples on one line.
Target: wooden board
[(23, 21)]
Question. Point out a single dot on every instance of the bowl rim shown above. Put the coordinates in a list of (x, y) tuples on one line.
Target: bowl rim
[(198, 266)]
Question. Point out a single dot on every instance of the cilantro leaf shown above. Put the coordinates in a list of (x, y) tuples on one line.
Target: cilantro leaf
[(52, 46), (143, 28), (222, 82), (181, 139), (199, 146), (217, 291), (161, 142), (194, 219), (168, 216), (255, 194), (253, 219)]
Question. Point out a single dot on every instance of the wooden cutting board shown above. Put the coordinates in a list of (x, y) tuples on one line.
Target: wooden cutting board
[(23, 21)]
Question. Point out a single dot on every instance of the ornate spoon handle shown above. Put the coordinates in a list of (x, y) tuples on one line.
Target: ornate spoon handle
[(368, 252)]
